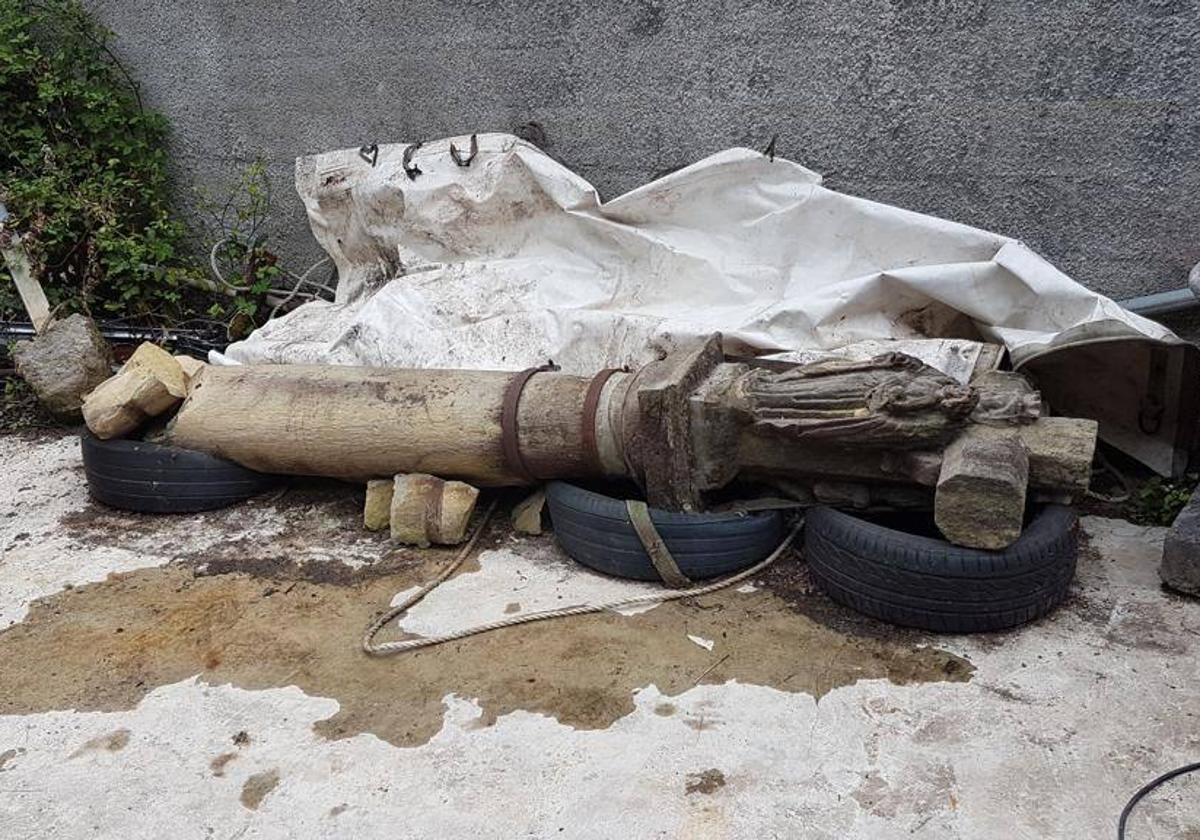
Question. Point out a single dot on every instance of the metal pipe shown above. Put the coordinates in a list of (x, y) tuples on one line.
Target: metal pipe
[(184, 340), (1161, 303)]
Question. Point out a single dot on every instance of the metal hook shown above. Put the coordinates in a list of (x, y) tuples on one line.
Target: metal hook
[(369, 153), (410, 168), (457, 155), (770, 150)]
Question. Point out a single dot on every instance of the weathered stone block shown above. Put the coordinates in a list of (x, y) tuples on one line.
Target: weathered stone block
[(377, 511), (64, 364), (149, 384), (1180, 568), (980, 500), (427, 510)]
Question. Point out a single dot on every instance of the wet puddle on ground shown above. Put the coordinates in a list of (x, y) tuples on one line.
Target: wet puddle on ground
[(258, 622)]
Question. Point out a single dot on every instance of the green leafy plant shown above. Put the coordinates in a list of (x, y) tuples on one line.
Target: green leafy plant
[(250, 273), (19, 407), (1158, 501), (83, 167), (237, 238)]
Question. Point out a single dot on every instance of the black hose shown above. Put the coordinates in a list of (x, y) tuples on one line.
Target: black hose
[(1149, 786)]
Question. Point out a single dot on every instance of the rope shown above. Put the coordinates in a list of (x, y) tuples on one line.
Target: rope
[(300, 279), (386, 648)]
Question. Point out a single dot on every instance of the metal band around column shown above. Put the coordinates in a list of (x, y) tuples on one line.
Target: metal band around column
[(510, 432)]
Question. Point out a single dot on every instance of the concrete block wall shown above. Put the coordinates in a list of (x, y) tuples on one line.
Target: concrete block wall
[(1071, 124)]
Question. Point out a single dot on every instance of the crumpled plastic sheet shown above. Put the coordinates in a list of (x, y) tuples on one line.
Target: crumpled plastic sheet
[(514, 260)]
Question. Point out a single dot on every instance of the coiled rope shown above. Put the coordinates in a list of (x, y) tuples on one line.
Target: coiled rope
[(385, 648)]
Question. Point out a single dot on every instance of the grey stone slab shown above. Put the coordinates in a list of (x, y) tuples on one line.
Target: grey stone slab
[(1180, 569)]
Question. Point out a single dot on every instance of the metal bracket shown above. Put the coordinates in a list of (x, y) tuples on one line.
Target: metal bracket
[(510, 434), (410, 168), (457, 155), (770, 150)]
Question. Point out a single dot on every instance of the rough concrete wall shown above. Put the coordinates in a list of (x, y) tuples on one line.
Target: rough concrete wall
[(1072, 125)]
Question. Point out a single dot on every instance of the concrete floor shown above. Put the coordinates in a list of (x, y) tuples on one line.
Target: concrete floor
[(199, 676)]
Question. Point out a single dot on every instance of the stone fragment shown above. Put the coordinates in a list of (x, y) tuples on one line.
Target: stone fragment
[(190, 366), (1180, 567), (527, 515), (64, 363), (426, 509), (148, 385), (980, 498), (377, 510)]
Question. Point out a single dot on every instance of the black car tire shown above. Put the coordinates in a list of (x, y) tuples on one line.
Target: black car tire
[(595, 530), (152, 478), (917, 581)]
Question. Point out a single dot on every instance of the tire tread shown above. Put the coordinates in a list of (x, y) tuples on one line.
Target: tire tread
[(595, 530), (921, 582), (152, 478)]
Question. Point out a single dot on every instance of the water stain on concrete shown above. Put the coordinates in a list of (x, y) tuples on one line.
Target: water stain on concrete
[(707, 782), (112, 742), (872, 795), (927, 789), (217, 765), (112, 642), (258, 786)]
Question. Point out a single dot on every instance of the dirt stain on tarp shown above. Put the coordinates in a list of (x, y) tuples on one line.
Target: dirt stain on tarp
[(108, 644)]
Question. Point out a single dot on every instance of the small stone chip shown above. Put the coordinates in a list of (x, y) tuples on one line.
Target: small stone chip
[(377, 510)]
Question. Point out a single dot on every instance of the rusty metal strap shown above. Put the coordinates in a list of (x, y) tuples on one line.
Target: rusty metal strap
[(591, 402), (652, 541), (510, 431)]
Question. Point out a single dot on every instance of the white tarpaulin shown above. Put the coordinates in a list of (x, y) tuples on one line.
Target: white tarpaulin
[(514, 259)]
